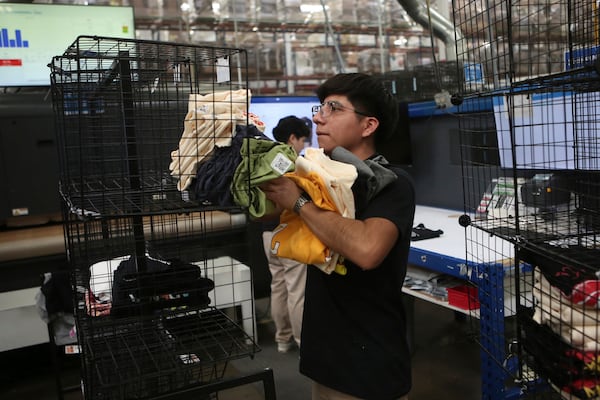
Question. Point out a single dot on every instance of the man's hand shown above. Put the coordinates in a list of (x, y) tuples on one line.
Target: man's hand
[(282, 191)]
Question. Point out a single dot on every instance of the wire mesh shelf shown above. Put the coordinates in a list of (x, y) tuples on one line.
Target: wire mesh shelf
[(530, 158), (126, 111), (142, 358), (149, 136)]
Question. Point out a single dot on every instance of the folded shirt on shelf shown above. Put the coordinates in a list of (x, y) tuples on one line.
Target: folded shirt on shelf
[(117, 288), (577, 325), (572, 372)]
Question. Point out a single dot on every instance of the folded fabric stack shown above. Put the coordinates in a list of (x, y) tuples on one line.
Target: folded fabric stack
[(571, 372), (342, 183), (563, 333), (118, 288), (329, 184), (261, 161), (210, 121), (214, 176), (576, 322)]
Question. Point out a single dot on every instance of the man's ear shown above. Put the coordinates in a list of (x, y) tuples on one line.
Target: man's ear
[(370, 126)]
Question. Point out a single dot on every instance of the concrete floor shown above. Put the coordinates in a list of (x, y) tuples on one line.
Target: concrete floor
[(446, 363)]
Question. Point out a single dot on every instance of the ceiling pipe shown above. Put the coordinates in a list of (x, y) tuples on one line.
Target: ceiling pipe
[(441, 26)]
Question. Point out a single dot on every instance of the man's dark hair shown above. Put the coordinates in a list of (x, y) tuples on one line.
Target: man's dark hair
[(291, 124), (367, 95)]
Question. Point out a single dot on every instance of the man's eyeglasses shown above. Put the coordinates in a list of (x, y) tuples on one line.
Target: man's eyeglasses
[(329, 107)]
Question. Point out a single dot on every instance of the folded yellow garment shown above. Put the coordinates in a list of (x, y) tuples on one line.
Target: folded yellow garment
[(293, 239)]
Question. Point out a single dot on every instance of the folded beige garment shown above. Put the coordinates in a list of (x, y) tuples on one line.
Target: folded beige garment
[(209, 122)]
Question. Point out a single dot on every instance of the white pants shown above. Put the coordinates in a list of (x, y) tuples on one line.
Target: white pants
[(288, 280)]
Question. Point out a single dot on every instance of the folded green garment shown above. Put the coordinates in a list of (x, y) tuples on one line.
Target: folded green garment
[(262, 160)]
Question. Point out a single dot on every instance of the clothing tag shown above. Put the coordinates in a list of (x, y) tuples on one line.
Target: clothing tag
[(280, 164), (203, 109), (223, 70), (72, 349), (177, 74), (189, 358)]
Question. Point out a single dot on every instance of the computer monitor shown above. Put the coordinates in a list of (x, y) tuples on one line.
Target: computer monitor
[(31, 34)]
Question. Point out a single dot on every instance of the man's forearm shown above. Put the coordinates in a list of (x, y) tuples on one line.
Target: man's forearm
[(366, 243)]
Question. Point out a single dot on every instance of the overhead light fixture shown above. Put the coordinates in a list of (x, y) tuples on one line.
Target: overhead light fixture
[(312, 8), (401, 41)]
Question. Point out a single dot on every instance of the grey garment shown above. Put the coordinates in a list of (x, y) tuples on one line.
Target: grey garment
[(372, 172), (63, 328)]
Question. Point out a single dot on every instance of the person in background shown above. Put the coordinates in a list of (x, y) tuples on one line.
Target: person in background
[(288, 277), (354, 333), (294, 131)]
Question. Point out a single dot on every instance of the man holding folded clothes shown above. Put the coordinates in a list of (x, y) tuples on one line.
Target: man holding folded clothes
[(354, 342)]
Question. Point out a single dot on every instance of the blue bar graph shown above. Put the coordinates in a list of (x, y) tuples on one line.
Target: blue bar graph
[(17, 42)]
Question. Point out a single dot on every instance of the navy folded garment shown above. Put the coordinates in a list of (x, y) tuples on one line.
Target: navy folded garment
[(213, 177), (161, 285)]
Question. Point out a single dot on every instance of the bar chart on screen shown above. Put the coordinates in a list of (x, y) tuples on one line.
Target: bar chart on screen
[(17, 42)]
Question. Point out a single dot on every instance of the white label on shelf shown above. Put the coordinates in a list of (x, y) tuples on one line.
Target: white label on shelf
[(72, 349), (189, 358), (223, 74), (19, 212)]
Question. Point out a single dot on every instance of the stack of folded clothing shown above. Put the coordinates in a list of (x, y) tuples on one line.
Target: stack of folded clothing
[(563, 331)]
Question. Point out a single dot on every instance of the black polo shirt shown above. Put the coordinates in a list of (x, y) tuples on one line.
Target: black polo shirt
[(354, 326)]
